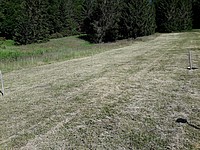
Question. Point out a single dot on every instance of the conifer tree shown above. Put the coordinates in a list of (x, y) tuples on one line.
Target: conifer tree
[(68, 17), (9, 11), (174, 15), (196, 14), (54, 21), (32, 23), (138, 18), (102, 20)]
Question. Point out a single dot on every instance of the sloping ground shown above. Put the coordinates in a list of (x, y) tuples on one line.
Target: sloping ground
[(127, 98)]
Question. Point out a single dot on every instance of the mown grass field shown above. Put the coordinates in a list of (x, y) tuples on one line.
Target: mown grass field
[(124, 98)]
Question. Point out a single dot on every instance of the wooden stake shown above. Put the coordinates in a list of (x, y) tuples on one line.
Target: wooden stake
[(2, 87)]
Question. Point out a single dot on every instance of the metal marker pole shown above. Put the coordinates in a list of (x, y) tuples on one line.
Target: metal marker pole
[(190, 60), (2, 87)]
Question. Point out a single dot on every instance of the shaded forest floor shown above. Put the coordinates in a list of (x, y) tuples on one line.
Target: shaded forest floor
[(124, 98)]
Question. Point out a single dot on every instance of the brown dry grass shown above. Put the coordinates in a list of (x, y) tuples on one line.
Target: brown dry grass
[(126, 98)]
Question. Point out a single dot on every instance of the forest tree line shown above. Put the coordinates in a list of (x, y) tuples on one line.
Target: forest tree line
[(31, 21)]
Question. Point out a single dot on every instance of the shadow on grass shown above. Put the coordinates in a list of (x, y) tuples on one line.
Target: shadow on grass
[(85, 37), (181, 120), (193, 68), (90, 39)]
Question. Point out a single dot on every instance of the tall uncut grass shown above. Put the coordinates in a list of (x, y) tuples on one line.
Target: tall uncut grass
[(13, 57)]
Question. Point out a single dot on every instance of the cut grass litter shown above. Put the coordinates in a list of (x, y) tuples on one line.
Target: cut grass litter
[(124, 98)]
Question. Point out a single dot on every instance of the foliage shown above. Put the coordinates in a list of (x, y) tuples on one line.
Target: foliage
[(32, 24), (111, 20), (174, 15), (33, 21), (196, 14), (138, 18), (28, 21), (64, 17), (9, 11), (102, 20)]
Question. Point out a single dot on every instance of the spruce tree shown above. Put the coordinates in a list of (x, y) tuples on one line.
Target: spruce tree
[(9, 11), (138, 18), (103, 18), (69, 17), (55, 24), (32, 24), (196, 14), (65, 17), (174, 15)]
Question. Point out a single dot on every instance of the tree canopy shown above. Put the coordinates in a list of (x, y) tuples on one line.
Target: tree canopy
[(30, 21), (173, 15)]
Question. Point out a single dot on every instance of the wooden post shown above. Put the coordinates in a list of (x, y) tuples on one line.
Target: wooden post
[(190, 60), (2, 87)]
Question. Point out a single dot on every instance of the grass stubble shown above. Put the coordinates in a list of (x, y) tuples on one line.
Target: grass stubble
[(125, 98)]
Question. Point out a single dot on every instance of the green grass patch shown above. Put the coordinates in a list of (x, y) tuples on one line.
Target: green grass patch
[(13, 57), (7, 42)]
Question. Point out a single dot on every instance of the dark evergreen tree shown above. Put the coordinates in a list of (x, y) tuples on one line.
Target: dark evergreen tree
[(65, 17), (174, 15), (69, 15), (55, 24), (32, 23), (138, 18), (88, 8), (102, 20), (28, 21), (196, 14), (9, 11)]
